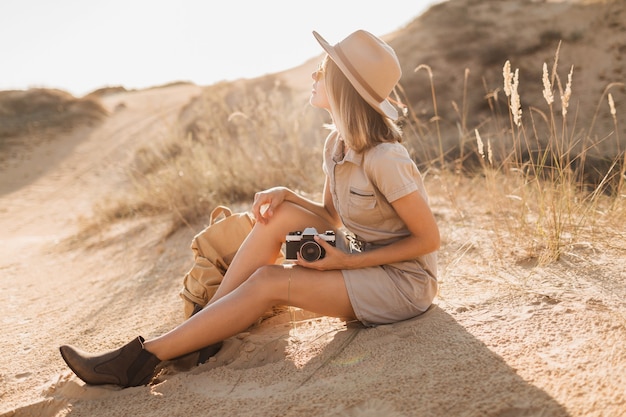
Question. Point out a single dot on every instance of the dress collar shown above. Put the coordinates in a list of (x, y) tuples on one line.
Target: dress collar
[(342, 154)]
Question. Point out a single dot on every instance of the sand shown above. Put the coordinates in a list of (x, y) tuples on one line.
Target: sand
[(503, 338)]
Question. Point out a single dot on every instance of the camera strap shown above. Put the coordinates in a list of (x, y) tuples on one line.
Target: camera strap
[(356, 245)]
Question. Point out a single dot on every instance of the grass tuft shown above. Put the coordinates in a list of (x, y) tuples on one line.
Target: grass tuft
[(233, 141), (544, 185)]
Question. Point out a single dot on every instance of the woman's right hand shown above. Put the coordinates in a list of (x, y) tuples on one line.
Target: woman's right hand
[(265, 202)]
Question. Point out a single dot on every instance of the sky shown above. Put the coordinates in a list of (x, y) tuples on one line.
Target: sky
[(81, 45)]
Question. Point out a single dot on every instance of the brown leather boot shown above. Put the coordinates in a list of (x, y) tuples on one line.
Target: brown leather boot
[(129, 366)]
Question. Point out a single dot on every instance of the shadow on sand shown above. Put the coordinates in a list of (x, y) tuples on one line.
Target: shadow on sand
[(427, 366)]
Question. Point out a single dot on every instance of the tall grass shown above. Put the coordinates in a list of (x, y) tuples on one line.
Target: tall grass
[(543, 183), (532, 160), (234, 140)]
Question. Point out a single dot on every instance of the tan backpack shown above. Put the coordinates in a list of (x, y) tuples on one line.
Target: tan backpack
[(214, 249)]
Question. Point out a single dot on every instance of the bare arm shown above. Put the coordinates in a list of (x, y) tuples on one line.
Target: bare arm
[(424, 238), (265, 202)]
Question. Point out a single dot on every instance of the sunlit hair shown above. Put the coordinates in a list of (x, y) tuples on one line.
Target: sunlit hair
[(359, 124)]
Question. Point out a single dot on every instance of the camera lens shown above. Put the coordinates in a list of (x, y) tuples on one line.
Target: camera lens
[(310, 251)]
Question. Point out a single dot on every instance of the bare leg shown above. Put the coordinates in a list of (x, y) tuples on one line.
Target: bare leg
[(250, 288), (235, 306), (263, 244), (320, 292)]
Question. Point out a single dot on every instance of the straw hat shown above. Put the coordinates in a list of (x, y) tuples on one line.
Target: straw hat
[(370, 65)]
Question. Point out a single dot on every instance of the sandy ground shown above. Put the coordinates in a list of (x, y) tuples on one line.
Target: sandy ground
[(504, 338)]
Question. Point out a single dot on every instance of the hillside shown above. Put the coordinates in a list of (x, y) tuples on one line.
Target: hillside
[(508, 335), (480, 36)]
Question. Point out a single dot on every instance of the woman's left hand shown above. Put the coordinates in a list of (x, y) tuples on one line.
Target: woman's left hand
[(333, 259)]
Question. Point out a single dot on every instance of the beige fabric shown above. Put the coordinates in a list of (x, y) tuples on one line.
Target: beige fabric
[(363, 186), (389, 293), (370, 65)]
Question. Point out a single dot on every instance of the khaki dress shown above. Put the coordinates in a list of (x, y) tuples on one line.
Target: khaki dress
[(363, 186)]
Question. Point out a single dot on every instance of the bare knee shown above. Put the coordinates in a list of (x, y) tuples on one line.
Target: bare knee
[(289, 217), (266, 284)]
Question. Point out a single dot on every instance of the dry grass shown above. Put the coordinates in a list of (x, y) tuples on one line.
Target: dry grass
[(532, 163), (234, 140), (40, 111), (542, 183)]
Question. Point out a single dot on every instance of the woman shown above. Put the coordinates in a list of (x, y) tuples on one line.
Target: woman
[(372, 189)]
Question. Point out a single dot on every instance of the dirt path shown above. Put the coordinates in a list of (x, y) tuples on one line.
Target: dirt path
[(505, 338), (42, 198)]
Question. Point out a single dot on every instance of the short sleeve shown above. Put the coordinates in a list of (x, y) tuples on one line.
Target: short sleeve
[(392, 170)]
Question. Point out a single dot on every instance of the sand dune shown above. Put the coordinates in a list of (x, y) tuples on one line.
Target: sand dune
[(502, 339)]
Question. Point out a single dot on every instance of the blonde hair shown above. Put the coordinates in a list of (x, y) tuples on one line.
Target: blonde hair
[(359, 124)]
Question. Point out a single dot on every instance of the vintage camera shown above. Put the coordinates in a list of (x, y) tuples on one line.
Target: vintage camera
[(303, 242)]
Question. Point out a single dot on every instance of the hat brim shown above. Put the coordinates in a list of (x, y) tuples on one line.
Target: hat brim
[(385, 107)]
